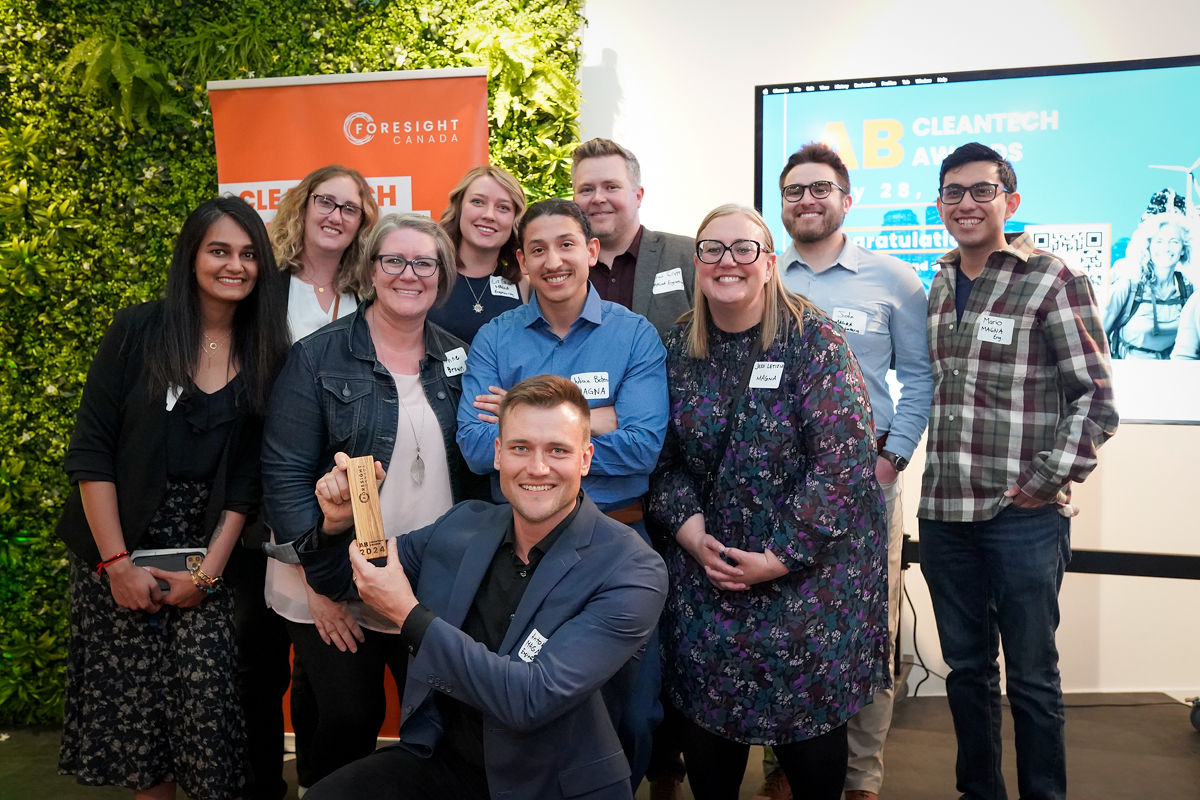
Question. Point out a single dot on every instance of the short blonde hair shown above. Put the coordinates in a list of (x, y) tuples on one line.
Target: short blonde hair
[(287, 228), (391, 222), (777, 299)]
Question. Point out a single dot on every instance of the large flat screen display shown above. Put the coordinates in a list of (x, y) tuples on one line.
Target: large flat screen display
[(1106, 158)]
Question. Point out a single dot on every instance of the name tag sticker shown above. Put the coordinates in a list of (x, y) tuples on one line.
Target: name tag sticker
[(532, 646), (173, 394), (502, 288), (669, 281), (594, 385), (998, 330), (456, 362), (766, 375), (851, 319)]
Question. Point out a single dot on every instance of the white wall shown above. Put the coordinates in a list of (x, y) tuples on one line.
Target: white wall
[(673, 80)]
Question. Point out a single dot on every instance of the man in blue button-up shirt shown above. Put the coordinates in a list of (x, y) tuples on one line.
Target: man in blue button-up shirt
[(615, 357), (880, 303)]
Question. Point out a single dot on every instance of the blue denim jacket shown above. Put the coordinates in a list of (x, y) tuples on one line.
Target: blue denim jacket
[(333, 395)]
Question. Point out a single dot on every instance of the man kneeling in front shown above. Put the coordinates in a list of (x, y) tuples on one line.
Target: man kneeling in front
[(521, 619)]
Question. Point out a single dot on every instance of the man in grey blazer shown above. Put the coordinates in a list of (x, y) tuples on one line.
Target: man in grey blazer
[(649, 272)]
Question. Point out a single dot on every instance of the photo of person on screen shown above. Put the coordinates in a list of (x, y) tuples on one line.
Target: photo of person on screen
[(1150, 287)]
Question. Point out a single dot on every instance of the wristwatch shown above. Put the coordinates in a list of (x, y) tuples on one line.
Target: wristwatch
[(898, 462)]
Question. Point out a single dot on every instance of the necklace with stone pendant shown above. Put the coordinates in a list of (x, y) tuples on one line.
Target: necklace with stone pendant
[(417, 469), (478, 307)]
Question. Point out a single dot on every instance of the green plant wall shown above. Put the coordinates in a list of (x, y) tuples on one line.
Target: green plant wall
[(106, 144)]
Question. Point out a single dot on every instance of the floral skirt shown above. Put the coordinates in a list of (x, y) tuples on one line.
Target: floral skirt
[(151, 698)]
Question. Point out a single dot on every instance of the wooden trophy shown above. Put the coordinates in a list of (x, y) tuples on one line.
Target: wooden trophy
[(364, 501)]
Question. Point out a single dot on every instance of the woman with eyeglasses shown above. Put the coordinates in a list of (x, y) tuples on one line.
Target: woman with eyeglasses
[(481, 220), (317, 234), (383, 381), (775, 632), (1142, 319), (165, 457)]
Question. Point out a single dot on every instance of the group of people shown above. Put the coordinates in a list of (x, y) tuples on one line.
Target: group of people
[(568, 414)]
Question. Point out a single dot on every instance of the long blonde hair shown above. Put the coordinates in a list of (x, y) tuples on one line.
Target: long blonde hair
[(287, 229), (777, 299), (506, 265)]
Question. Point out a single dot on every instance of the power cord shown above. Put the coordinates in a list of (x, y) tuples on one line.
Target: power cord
[(917, 648)]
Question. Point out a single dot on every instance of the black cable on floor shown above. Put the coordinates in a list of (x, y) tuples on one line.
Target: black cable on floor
[(916, 647)]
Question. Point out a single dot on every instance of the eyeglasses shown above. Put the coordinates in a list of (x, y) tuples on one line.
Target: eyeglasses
[(953, 194), (818, 190), (744, 251), (395, 265), (327, 205)]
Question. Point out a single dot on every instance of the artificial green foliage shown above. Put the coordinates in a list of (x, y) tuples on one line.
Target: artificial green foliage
[(106, 143)]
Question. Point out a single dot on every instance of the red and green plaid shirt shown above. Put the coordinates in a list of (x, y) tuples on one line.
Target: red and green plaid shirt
[(1022, 384)]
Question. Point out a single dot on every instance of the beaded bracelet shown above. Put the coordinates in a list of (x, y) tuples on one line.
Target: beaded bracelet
[(204, 581), (103, 565)]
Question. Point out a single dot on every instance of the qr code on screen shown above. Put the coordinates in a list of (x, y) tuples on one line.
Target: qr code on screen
[(1086, 247)]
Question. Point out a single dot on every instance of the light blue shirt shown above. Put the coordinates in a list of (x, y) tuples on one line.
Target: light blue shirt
[(616, 357), (880, 303)]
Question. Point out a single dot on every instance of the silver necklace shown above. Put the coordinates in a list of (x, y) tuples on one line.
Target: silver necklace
[(417, 469), (478, 307)]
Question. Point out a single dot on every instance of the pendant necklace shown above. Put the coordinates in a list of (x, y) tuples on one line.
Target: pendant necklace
[(478, 307), (417, 470), (212, 344)]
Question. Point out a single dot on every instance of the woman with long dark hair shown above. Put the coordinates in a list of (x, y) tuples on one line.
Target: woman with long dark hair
[(481, 221), (164, 456)]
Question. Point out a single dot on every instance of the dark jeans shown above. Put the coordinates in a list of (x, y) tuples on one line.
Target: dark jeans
[(349, 692), (993, 583), (815, 768), (393, 773), (263, 674)]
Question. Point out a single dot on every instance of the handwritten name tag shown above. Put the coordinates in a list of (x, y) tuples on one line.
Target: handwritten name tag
[(594, 385), (456, 362), (532, 646), (669, 281), (766, 375), (997, 330), (851, 319), (502, 288)]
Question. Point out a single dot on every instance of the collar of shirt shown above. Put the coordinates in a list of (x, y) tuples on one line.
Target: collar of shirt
[(593, 311), (1018, 245), (847, 259), (546, 542)]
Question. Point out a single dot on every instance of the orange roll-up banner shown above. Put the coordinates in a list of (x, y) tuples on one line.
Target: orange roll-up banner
[(412, 134)]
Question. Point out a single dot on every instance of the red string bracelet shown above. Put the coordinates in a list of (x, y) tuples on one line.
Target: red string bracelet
[(103, 565)]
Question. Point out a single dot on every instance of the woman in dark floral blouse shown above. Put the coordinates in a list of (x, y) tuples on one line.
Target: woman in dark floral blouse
[(775, 631)]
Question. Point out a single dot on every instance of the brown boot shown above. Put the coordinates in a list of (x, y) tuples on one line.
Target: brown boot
[(774, 786), (861, 794)]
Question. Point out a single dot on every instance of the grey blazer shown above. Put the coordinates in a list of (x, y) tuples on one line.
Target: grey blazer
[(658, 254)]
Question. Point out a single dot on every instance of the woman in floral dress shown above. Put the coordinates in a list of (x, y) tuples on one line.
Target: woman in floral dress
[(775, 631)]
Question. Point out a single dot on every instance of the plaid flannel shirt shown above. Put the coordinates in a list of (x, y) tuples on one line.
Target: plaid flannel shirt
[(1022, 384)]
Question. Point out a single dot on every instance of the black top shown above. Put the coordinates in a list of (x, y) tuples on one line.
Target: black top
[(494, 606), (458, 314), (198, 428)]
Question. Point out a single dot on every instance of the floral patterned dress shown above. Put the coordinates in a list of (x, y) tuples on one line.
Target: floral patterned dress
[(796, 657)]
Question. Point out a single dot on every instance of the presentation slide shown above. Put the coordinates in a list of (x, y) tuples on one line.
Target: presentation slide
[(1104, 156)]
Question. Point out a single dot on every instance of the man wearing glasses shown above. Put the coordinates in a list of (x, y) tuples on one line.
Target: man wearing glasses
[(880, 304), (1022, 400)]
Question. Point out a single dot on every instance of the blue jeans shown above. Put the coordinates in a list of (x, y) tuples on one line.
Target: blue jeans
[(996, 582)]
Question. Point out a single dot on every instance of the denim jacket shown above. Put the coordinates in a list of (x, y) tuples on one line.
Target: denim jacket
[(334, 395)]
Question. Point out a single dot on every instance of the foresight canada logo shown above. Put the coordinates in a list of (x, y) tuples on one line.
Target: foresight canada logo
[(360, 128)]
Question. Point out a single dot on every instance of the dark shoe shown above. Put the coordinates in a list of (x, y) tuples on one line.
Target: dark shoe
[(774, 787), (666, 789), (861, 794)]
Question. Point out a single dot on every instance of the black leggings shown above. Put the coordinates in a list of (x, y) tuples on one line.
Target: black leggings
[(815, 768)]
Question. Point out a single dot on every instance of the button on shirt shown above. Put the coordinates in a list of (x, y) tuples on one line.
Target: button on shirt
[(880, 303), (613, 354), (1022, 385)]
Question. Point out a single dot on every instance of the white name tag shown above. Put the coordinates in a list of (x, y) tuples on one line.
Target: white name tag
[(502, 288), (456, 362), (766, 375), (851, 319), (532, 646), (173, 394), (998, 330), (669, 281), (594, 385)]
